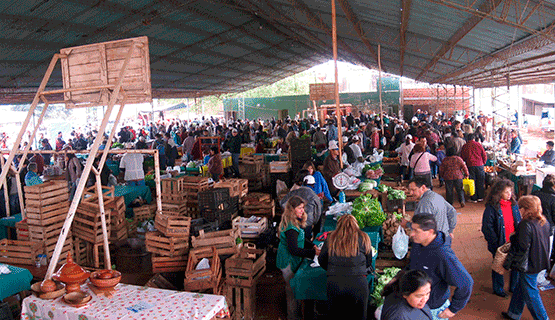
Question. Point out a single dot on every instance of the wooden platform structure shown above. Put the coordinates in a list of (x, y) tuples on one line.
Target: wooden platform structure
[(101, 74)]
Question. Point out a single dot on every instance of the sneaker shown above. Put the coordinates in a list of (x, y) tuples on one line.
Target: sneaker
[(501, 294), (462, 205), (474, 201), (480, 200)]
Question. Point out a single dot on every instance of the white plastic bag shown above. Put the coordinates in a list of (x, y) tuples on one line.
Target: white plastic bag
[(400, 244)]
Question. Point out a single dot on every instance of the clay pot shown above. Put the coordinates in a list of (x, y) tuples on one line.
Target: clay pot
[(48, 286), (71, 274)]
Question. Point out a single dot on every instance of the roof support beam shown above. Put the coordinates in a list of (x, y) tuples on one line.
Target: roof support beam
[(317, 22), (486, 8), (352, 17), (405, 14), (530, 43)]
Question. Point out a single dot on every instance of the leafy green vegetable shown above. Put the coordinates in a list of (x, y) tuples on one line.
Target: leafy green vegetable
[(393, 194), (376, 167), (398, 216), (366, 168), (366, 185), (382, 280), (368, 211)]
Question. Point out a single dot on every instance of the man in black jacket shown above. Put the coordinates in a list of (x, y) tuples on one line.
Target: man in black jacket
[(547, 197), (548, 156), (234, 146)]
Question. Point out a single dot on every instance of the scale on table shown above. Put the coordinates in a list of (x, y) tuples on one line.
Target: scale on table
[(341, 181)]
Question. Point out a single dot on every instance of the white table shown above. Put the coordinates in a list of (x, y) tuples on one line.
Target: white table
[(130, 302)]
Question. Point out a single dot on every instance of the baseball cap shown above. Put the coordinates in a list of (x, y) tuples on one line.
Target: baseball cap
[(408, 136), (333, 145)]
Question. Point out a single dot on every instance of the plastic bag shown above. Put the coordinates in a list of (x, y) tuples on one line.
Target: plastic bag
[(468, 186), (281, 187), (400, 244)]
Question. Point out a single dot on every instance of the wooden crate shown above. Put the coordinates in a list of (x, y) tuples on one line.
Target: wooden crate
[(22, 230), (145, 212), (243, 301), (173, 226), (259, 204), (19, 251), (250, 230), (255, 159), (88, 254), (118, 232), (193, 185), (160, 282), (243, 269), (157, 243), (47, 218), (224, 241), (100, 64), (172, 185), (175, 209), (45, 190), (197, 280), (168, 264), (172, 198), (279, 166)]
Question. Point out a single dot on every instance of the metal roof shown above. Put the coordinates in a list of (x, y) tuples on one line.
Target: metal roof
[(205, 47)]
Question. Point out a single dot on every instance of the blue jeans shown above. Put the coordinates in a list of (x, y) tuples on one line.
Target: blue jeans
[(436, 312), (235, 163), (133, 183), (527, 293), (498, 281), (478, 174)]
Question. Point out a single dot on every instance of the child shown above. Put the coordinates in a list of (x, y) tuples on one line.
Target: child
[(206, 155)]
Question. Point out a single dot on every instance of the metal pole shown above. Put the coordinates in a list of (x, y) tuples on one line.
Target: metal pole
[(337, 109), (6, 194), (380, 86)]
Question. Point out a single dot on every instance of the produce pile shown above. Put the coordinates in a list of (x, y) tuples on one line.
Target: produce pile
[(367, 185), (392, 194), (383, 279), (390, 226), (368, 211), (372, 172)]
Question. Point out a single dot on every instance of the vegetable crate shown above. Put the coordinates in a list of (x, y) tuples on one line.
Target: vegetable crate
[(20, 252), (203, 279), (213, 199), (145, 212), (226, 211), (88, 254), (159, 282), (224, 241), (175, 209), (386, 259), (394, 205), (194, 185), (157, 243), (243, 300), (173, 226), (255, 159), (259, 204), (168, 264), (237, 187), (87, 222), (279, 166), (243, 269), (250, 229), (22, 230)]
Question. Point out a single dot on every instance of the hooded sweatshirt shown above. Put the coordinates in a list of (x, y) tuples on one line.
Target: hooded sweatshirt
[(444, 268)]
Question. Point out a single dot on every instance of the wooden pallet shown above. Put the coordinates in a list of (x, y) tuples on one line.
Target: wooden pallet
[(243, 269), (19, 251), (168, 264), (157, 243), (250, 230), (224, 241), (197, 280), (173, 226), (243, 301)]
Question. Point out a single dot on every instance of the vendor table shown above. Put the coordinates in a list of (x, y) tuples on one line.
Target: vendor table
[(131, 193), (8, 222), (527, 180), (114, 167), (18, 280), (130, 302), (310, 283), (245, 151)]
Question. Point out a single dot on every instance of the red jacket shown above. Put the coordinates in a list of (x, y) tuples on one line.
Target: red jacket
[(473, 154)]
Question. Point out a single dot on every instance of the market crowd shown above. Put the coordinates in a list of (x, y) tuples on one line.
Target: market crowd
[(433, 149)]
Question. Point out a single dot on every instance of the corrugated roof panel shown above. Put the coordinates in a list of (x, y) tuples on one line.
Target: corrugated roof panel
[(203, 24), (251, 42), (433, 20), (97, 17), (230, 50), (133, 4), (159, 49), (204, 58)]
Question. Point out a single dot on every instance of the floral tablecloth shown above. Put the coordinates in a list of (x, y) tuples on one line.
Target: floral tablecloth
[(130, 302)]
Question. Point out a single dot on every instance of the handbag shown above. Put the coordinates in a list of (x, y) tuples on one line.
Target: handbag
[(517, 260), (500, 258)]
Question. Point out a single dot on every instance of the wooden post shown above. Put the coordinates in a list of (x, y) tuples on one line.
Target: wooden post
[(157, 179), (380, 86), (25, 124), (39, 122), (88, 166), (337, 108), (107, 260), (6, 193)]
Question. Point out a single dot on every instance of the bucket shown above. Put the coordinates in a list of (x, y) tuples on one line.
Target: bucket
[(131, 256)]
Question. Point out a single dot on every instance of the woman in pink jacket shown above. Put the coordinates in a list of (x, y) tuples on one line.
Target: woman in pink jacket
[(420, 163)]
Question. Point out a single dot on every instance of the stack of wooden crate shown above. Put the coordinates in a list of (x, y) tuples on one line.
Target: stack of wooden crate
[(22, 230), (243, 271), (170, 244), (46, 206), (144, 212), (237, 187), (225, 241), (259, 204), (179, 195), (203, 278), (250, 168)]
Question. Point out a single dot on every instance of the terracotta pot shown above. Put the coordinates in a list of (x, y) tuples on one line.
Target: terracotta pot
[(71, 274)]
